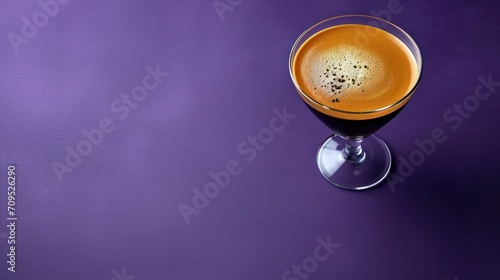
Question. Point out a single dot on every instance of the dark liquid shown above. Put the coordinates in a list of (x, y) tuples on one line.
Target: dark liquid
[(353, 128)]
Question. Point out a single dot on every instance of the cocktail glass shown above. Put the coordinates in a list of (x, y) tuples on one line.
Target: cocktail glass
[(353, 158)]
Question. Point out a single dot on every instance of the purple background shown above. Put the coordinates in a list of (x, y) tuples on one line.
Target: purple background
[(119, 207)]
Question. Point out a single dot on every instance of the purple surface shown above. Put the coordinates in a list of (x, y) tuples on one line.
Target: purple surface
[(116, 215)]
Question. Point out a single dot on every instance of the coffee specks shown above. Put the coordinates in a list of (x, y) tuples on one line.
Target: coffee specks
[(335, 81)]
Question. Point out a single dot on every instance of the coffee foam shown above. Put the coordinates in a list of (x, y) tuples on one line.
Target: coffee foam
[(377, 73), (337, 73)]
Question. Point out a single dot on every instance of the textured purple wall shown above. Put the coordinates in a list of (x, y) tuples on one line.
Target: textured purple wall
[(164, 99)]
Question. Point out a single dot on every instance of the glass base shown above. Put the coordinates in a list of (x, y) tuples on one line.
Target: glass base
[(346, 174)]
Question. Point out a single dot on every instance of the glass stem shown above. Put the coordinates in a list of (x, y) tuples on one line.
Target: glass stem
[(353, 151)]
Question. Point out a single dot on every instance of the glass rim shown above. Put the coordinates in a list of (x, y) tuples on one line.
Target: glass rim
[(417, 56)]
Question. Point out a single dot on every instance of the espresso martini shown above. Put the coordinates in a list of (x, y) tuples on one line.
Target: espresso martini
[(358, 79)]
